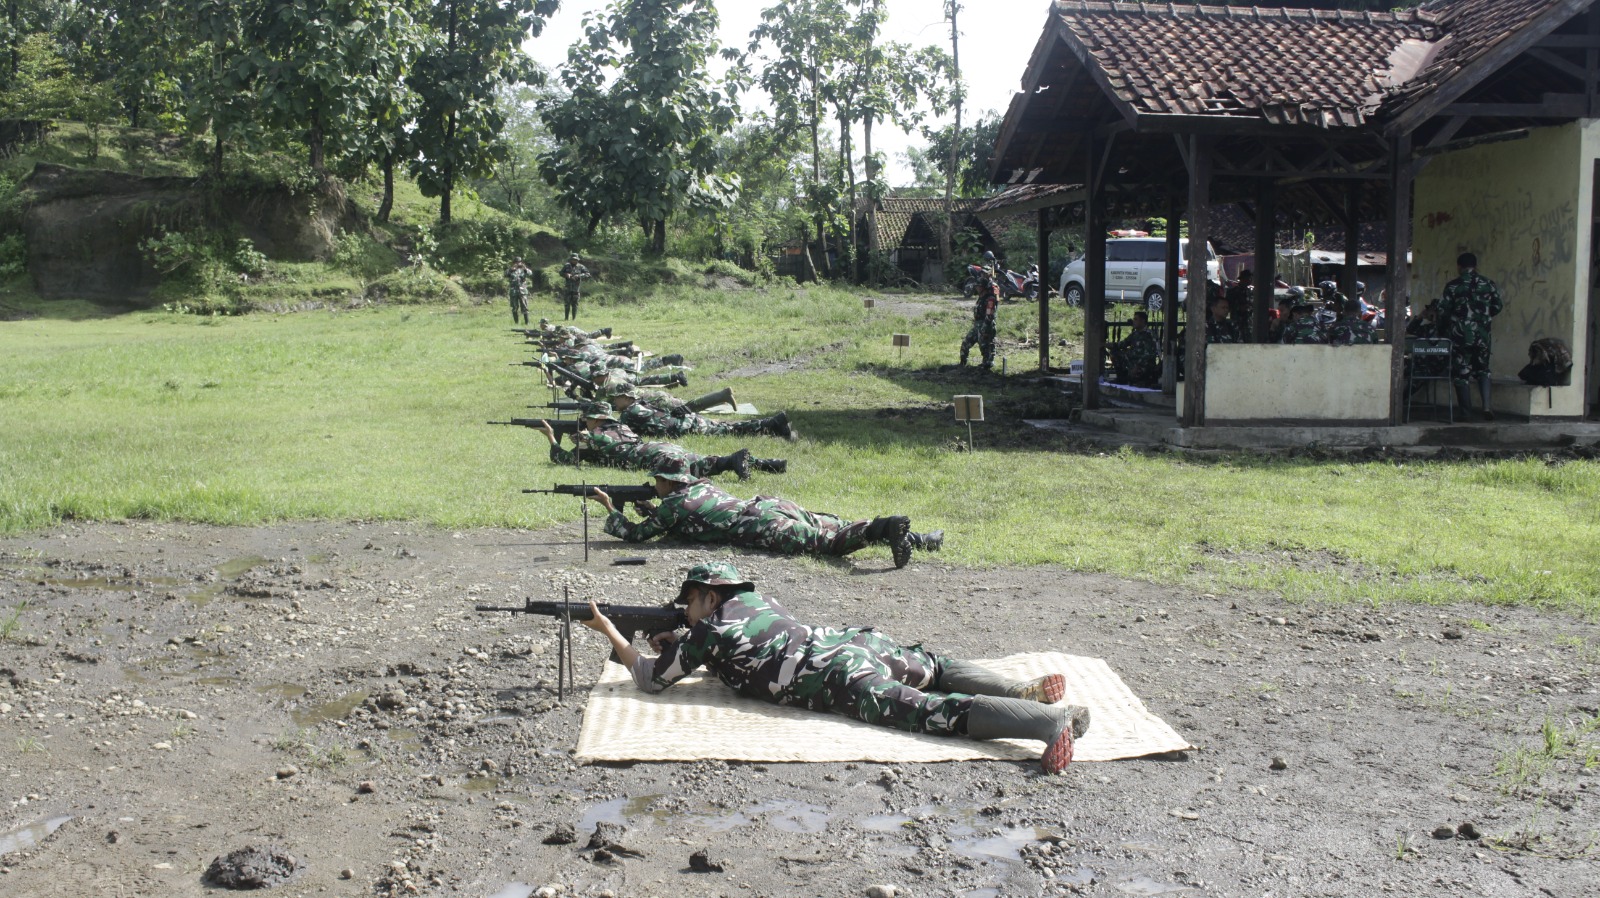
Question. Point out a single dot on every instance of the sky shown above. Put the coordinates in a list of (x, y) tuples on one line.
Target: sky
[(997, 38)]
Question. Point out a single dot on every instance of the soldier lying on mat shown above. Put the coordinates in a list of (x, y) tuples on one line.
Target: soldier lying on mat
[(759, 650)]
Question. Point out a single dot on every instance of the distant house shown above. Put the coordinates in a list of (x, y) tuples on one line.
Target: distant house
[(907, 230), (1460, 124)]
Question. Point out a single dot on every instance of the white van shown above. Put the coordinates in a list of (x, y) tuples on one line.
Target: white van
[(1136, 271)]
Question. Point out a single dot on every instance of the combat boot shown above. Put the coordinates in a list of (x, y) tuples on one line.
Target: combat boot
[(932, 541), (741, 463), (1057, 726), (777, 425), (770, 465), (682, 379), (975, 679), (895, 532)]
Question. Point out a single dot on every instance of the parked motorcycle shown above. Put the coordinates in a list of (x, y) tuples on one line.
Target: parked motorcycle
[(969, 284), (1023, 285)]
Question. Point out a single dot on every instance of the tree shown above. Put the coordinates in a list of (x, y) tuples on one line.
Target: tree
[(971, 173), (516, 185), (638, 133), (472, 47)]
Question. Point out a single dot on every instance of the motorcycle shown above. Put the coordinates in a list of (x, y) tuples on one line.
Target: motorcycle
[(1025, 286), (969, 284)]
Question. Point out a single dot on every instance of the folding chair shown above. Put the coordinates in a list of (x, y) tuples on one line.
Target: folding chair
[(1435, 354)]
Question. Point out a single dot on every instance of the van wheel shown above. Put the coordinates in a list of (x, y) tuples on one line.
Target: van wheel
[(1154, 299), (1074, 295)]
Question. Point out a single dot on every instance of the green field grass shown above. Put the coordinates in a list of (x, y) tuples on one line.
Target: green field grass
[(380, 414)]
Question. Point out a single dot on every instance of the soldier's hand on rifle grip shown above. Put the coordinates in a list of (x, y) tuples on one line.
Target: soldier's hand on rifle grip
[(644, 509), (599, 495), (661, 641), (597, 620), (549, 434)]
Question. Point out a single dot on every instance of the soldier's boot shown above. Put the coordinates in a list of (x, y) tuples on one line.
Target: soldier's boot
[(1483, 390), (682, 379), (778, 425), (606, 331), (723, 396), (740, 463), (770, 465), (895, 532), (1058, 727), (1463, 398), (966, 350), (974, 679), (673, 359), (931, 541)]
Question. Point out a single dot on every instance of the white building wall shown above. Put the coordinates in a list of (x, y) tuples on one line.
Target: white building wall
[(1248, 382)]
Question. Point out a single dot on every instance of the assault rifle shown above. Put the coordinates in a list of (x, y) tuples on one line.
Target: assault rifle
[(563, 428), (630, 621), (620, 494)]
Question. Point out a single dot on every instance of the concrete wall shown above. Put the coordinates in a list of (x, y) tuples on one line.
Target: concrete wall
[(1267, 382), (1518, 205)]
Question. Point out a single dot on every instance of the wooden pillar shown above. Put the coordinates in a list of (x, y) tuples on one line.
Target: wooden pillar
[(1094, 275), (1352, 239), (1194, 364), (1266, 268), (1044, 291), (1400, 177), (1169, 309)]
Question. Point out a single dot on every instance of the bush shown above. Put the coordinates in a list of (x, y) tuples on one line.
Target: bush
[(487, 245), (13, 256), (415, 286), (363, 256)]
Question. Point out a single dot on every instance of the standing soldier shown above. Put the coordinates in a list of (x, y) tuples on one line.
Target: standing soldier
[(692, 509), (1350, 329), (983, 310), (571, 274), (517, 278), (1466, 310)]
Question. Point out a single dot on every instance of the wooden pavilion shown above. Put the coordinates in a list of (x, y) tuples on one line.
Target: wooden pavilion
[(1465, 125)]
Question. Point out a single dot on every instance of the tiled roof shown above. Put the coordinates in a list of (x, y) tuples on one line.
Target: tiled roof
[(1287, 66), (1467, 29), (895, 214)]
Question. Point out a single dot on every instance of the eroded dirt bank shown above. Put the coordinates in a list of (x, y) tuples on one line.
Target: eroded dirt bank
[(169, 694)]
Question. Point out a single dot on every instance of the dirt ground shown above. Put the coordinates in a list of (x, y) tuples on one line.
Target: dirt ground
[(171, 694)]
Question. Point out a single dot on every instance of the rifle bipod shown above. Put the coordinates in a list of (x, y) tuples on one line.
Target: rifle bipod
[(564, 665)]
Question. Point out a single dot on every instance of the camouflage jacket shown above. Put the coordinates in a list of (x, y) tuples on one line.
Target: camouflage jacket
[(518, 279), (1352, 332), (672, 419), (573, 272), (756, 647), (619, 447), (1222, 331), (1303, 332), (1467, 307), (1140, 350)]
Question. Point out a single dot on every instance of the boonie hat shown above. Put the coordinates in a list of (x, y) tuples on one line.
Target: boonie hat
[(711, 573), (676, 474), (598, 410)]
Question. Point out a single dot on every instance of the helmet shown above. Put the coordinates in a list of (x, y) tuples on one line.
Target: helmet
[(1360, 288), (1327, 286), (988, 255), (711, 573)]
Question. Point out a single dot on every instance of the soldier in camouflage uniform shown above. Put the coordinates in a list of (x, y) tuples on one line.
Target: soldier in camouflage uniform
[(758, 649), (692, 509), (1303, 327), (610, 443), (677, 419), (981, 334), (573, 274), (1137, 359), (517, 278), (1350, 329), (1219, 327), (1466, 310)]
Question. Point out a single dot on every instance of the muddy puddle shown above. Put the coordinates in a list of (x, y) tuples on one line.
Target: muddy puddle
[(25, 837), (782, 815), (329, 711)]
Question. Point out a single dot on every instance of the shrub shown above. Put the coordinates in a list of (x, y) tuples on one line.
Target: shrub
[(13, 256), (415, 286), (485, 245), (363, 256)]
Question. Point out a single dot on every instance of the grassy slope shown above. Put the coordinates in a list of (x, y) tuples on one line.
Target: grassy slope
[(379, 414)]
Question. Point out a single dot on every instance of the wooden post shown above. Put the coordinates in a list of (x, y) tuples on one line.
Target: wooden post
[(1352, 239), (1400, 177), (1169, 309), (1266, 266), (1044, 291), (1194, 384), (1094, 275)]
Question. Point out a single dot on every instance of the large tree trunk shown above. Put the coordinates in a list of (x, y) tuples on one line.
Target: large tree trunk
[(816, 172), (658, 239), (314, 144), (955, 138), (449, 173), (847, 154), (387, 206)]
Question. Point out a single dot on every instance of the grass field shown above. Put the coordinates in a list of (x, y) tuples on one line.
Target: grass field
[(380, 414)]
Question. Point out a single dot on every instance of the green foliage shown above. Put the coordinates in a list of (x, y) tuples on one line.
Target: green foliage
[(636, 137), (488, 245), (972, 159), (417, 285), (13, 256), (363, 256)]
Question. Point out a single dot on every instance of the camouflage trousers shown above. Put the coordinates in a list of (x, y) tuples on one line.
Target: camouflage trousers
[(877, 681), (694, 423), (779, 525), (569, 303), (1469, 360), (980, 335), (519, 306)]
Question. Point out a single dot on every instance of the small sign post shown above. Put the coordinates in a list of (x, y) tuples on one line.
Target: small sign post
[(868, 303), (969, 409), (902, 341)]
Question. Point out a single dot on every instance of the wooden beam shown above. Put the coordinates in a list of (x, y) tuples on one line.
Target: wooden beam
[(1194, 386), (1169, 314), (1453, 145), (1399, 273), (1448, 130), (1094, 274), (1552, 106), (1560, 64), (1044, 291), (1266, 264), (1569, 42)]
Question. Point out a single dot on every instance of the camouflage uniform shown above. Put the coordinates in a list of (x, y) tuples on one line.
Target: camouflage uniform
[(982, 332), (619, 447), (1468, 305), (657, 422), (756, 647), (1222, 330), (1303, 331), (1137, 359), (517, 278), (1352, 332), (699, 512), (572, 274)]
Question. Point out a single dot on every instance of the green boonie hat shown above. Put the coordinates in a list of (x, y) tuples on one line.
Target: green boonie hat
[(573, 257), (675, 474), (712, 573), (598, 410), (544, 322), (615, 389)]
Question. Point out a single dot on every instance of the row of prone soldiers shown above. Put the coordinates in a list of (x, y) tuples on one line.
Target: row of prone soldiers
[(1322, 316), (621, 422)]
